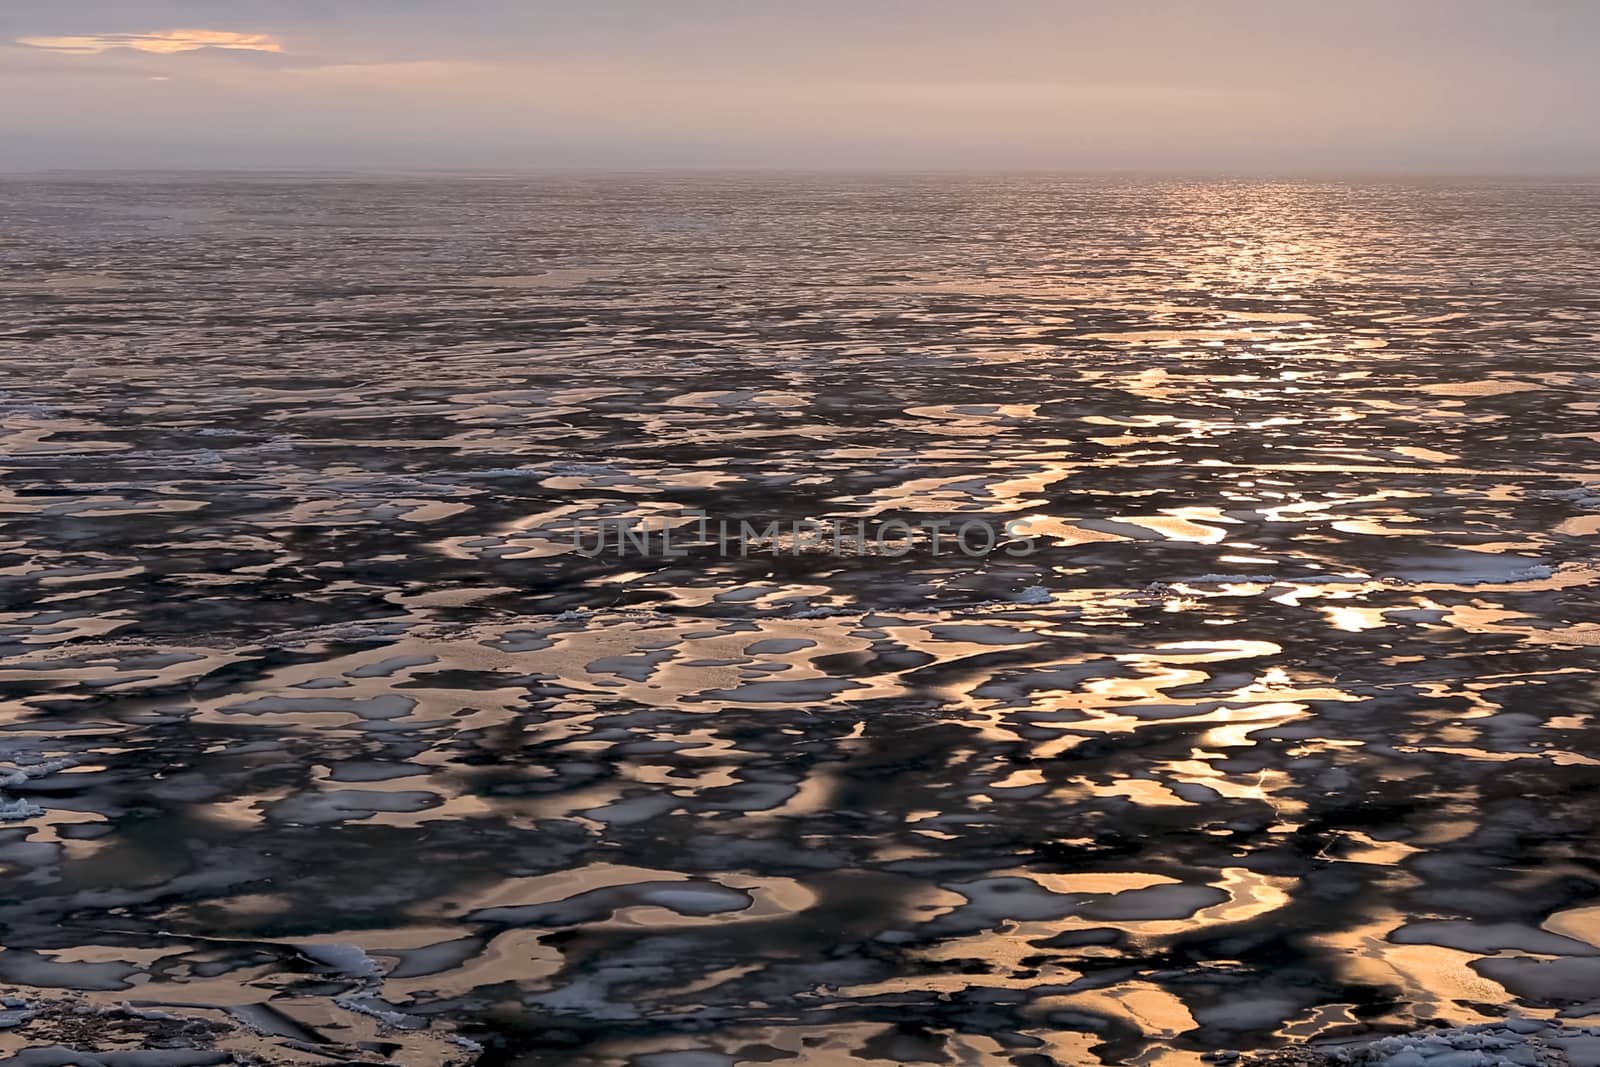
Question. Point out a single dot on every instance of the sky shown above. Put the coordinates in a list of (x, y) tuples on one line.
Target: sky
[(1186, 86)]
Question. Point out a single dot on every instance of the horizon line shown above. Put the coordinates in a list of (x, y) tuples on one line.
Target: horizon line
[(1197, 173)]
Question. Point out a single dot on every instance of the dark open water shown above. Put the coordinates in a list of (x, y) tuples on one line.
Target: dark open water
[(312, 720)]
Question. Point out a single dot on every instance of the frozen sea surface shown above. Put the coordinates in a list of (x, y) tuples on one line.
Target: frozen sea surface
[(315, 726)]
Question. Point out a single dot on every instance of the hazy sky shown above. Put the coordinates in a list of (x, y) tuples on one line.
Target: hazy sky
[(1187, 85)]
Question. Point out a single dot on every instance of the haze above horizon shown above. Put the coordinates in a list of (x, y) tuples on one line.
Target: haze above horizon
[(1236, 87)]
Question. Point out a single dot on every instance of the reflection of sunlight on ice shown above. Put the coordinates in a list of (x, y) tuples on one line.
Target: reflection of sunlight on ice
[(1302, 655)]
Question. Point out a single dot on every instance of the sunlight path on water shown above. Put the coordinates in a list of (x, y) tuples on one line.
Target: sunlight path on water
[(315, 720)]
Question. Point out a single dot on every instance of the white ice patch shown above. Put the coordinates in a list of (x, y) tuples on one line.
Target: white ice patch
[(24, 772), (1464, 567), (1586, 497), (1512, 1043), (18, 809), (377, 1009), (349, 960)]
